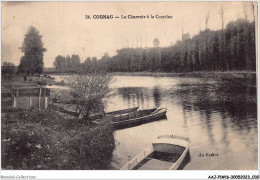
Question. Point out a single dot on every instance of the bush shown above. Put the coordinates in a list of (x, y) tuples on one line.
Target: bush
[(90, 92), (24, 77), (42, 82), (8, 69), (47, 140), (61, 83)]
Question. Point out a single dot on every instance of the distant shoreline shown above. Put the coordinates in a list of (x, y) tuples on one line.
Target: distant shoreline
[(214, 74), (200, 74)]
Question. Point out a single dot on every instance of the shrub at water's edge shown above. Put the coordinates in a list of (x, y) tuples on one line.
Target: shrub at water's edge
[(89, 92), (46, 140)]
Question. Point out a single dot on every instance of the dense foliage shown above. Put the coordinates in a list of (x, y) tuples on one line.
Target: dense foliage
[(32, 47), (47, 140), (232, 48), (88, 93), (67, 63), (8, 68)]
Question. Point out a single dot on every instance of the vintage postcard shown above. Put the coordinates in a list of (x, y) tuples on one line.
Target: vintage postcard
[(129, 86)]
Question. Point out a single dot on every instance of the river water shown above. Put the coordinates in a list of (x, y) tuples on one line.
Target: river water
[(220, 118)]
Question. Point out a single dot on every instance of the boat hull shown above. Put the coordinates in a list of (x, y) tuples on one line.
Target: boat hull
[(113, 113), (123, 111), (174, 151), (134, 118), (140, 120)]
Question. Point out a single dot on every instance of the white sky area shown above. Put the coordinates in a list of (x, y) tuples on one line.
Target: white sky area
[(65, 30)]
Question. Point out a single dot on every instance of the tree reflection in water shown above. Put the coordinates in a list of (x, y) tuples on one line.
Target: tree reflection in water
[(217, 114)]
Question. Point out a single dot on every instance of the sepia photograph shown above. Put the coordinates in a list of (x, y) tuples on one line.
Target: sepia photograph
[(145, 85)]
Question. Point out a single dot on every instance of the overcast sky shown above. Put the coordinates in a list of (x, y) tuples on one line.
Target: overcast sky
[(65, 30)]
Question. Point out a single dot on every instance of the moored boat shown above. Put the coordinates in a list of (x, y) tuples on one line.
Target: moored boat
[(113, 113), (166, 152), (134, 118), (121, 111), (63, 109)]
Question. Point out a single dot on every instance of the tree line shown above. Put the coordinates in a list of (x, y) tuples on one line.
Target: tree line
[(68, 63), (232, 48)]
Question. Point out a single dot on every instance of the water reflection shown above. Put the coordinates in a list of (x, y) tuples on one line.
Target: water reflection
[(137, 96), (134, 96), (239, 103), (219, 116), (157, 96)]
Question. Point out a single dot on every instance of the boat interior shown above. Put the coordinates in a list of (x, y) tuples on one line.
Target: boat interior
[(121, 111), (161, 158), (157, 161), (167, 148)]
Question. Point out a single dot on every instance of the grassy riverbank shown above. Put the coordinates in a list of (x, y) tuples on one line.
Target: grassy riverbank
[(46, 140), (214, 74), (31, 81), (35, 81), (209, 74)]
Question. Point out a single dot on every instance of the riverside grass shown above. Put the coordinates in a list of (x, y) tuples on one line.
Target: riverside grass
[(46, 140)]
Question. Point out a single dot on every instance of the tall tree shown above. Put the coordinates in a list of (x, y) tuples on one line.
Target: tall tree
[(32, 47), (75, 60), (8, 68), (68, 61), (206, 21), (244, 9), (253, 9), (87, 64), (157, 54), (156, 42), (224, 63), (60, 62)]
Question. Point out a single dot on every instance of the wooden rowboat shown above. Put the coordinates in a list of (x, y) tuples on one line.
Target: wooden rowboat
[(134, 118), (61, 109), (123, 111), (166, 152), (113, 113)]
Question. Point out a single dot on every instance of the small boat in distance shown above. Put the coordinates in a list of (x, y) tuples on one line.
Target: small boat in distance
[(134, 118), (166, 152)]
